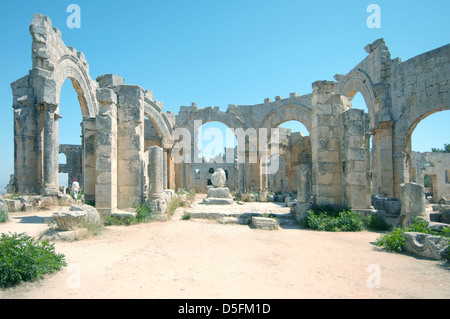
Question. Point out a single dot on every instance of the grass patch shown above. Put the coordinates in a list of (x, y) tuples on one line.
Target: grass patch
[(3, 217), (394, 241), (329, 218), (22, 259), (143, 215), (186, 216)]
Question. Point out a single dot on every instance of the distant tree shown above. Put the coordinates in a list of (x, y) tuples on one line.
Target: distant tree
[(446, 149)]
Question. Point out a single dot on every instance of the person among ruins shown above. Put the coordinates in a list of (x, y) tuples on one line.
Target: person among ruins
[(75, 188)]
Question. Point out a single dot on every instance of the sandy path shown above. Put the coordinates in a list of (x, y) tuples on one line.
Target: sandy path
[(204, 259)]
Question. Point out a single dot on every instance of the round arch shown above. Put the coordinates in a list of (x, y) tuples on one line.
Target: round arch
[(288, 113), (68, 67), (357, 81)]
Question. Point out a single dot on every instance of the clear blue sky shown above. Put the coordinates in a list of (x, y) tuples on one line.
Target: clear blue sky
[(217, 53)]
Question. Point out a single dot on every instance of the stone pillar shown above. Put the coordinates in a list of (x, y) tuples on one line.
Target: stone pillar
[(155, 172), (106, 155), (130, 149), (413, 202), (156, 199), (355, 126), (326, 143), (51, 165), (382, 160), (89, 129), (303, 184), (165, 170)]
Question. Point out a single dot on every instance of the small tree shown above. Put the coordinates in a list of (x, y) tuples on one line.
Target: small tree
[(446, 149)]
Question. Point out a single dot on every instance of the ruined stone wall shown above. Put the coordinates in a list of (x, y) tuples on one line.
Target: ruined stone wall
[(115, 136), (437, 166), (73, 166)]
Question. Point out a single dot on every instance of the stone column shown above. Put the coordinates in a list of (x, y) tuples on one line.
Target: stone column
[(382, 160), (413, 202), (156, 198), (355, 126), (89, 129), (106, 155), (326, 143), (50, 150), (130, 145), (155, 172), (165, 169), (303, 184)]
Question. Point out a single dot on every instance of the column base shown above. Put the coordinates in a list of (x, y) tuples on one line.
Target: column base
[(50, 191)]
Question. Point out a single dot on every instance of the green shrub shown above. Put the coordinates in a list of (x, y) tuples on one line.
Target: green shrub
[(376, 223), (328, 218), (22, 259), (143, 215), (393, 241), (3, 217), (186, 216)]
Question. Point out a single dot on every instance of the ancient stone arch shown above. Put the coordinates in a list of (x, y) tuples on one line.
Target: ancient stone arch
[(398, 95), (289, 112), (68, 67), (358, 81)]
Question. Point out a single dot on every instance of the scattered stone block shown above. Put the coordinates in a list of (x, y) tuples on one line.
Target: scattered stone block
[(14, 205), (66, 221), (425, 245), (264, 223), (92, 217)]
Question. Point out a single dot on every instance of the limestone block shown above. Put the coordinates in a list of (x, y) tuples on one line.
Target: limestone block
[(263, 196), (426, 245), (14, 205), (413, 202), (106, 96), (92, 217), (445, 216), (217, 201), (124, 215), (221, 192), (264, 223), (218, 178), (110, 80), (66, 221)]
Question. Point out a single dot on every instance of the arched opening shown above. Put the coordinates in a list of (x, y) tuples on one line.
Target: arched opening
[(70, 135), (427, 154), (359, 102), (294, 149), (215, 139), (217, 148), (63, 176)]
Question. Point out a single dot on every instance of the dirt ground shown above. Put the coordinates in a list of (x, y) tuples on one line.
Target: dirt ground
[(195, 258)]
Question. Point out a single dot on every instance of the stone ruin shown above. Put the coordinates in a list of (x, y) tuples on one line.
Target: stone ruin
[(218, 194), (128, 141)]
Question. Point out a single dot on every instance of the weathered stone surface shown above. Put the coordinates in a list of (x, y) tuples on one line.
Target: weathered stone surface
[(92, 217), (14, 205), (124, 215), (220, 192), (217, 201), (425, 245), (413, 202), (445, 216), (69, 220), (218, 178), (264, 223)]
